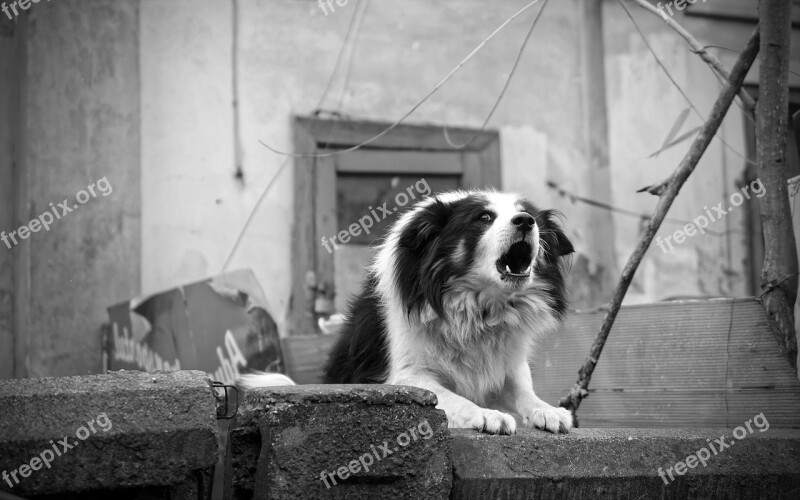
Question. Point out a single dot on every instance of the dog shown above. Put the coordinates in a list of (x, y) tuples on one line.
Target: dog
[(461, 291)]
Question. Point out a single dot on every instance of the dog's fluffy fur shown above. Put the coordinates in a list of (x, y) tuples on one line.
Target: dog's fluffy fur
[(464, 286)]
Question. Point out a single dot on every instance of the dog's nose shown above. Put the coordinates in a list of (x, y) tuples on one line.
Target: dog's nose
[(524, 221)]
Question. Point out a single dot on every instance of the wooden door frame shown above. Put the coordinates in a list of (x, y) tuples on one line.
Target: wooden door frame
[(312, 183)]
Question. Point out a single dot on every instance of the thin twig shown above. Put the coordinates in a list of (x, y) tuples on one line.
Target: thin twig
[(630, 213), (675, 83), (700, 50), (670, 190)]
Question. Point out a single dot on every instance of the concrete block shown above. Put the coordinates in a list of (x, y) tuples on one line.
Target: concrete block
[(372, 441), (624, 463), (136, 434)]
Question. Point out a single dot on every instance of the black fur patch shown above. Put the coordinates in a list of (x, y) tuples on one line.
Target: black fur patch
[(555, 245), (424, 260), (359, 356)]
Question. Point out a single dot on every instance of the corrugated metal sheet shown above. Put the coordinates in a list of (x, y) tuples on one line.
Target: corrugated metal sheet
[(711, 363), (674, 364), (306, 356)]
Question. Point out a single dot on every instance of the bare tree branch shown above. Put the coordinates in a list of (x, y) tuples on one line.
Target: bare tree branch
[(747, 101), (667, 194), (772, 123)]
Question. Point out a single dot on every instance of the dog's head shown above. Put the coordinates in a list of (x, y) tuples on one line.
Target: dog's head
[(487, 238)]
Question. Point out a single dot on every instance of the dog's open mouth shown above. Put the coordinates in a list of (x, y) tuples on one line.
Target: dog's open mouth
[(515, 264)]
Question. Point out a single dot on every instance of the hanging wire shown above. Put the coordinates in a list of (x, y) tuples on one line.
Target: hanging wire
[(676, 85), (413, 108), (351, 28), (503, 91), (631, 213), (326, 90), (337, 112)]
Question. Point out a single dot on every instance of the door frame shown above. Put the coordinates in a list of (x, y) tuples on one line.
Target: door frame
[(312, 266)]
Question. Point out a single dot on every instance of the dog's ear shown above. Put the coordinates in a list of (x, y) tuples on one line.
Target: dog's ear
[(420, 273), (424, 227), (556, 242), (563, 245)]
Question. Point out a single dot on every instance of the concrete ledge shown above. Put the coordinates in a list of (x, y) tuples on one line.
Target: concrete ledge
[(134, 435), (284, 438), (151, 434), (623, 463)]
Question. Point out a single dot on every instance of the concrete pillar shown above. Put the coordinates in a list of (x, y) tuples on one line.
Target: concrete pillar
[(9, 126), (79, 124), (602, 268)]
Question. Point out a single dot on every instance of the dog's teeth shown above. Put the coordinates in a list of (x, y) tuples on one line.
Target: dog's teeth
[(508, 269), (527, 271)]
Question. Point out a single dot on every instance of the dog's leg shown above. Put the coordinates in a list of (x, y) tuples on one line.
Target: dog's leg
[(518, 394), (461, 412)]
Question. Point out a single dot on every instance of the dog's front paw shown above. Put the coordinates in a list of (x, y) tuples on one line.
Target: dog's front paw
[(549, 418), (488, 421)]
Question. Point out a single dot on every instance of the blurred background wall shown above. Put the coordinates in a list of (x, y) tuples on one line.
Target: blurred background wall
[(169, 99)]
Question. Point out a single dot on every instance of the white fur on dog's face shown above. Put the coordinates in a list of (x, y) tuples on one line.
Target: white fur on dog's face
[(498, 239)]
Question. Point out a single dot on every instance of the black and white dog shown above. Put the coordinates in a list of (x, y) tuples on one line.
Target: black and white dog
[(464, 286)]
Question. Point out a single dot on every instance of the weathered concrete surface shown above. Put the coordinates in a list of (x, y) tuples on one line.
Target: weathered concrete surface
[(158, 437), (623, 463), (285, 437), (9, 124), (81, 106)]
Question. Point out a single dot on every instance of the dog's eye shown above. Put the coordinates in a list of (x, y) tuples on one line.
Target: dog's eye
[(486, 217)]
